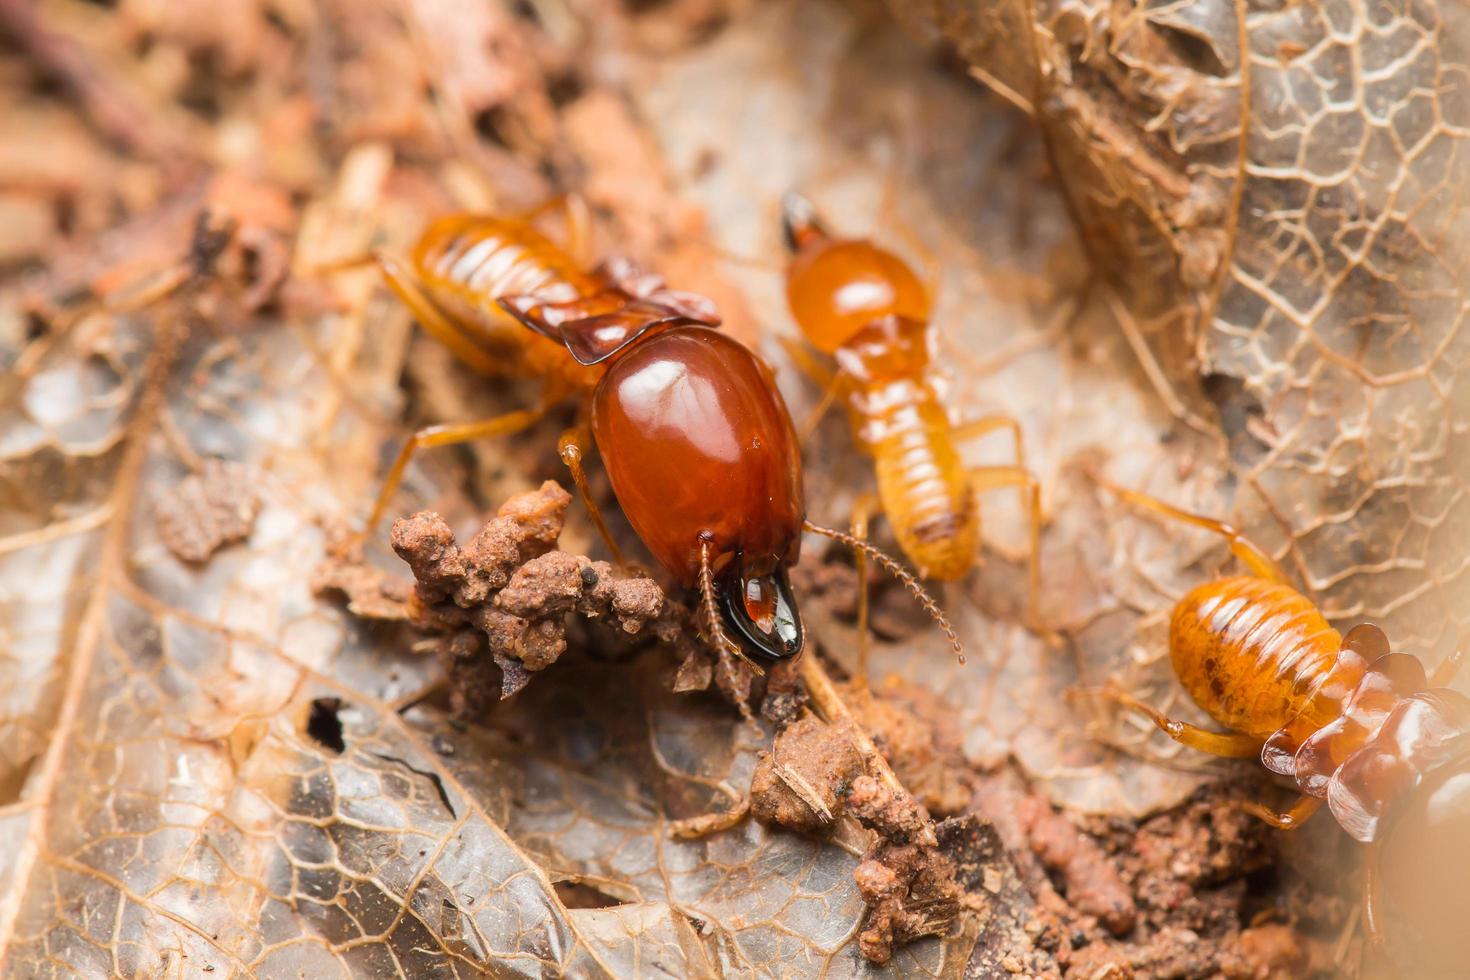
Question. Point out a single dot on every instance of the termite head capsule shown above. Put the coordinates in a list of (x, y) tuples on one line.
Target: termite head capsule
[(704, 461), (836, 287)]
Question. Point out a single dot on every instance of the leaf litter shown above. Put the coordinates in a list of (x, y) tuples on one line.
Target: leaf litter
[(206, 767)]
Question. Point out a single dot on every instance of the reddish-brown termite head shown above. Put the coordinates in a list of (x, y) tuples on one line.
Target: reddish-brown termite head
[(704, 462)]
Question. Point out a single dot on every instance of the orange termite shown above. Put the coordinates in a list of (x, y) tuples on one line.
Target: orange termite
[(1354, 724), (864, 307), (696, 438)]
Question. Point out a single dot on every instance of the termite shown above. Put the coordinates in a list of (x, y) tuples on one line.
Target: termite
[(1356, 725), (865, 308), (695, 437)]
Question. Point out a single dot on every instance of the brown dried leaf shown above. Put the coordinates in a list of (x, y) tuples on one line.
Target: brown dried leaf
[(1287, 224), (209, 766), (187, 782), (206, 767)]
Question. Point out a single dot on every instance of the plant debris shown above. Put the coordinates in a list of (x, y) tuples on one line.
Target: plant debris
[(802, 780), (818, 771), (912, 728)]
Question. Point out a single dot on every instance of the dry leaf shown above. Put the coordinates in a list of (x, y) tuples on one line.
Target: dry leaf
[(206, 766)]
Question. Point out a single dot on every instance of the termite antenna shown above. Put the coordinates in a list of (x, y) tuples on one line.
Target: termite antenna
[(709, 612), (799, 223), (899, 572)]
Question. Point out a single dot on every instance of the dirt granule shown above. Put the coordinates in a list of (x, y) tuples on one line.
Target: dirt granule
[(512, 587), (208, 510), (1089, 879), (371, 593), (907, 881), (913, 729), (509, 583), (800, 782)]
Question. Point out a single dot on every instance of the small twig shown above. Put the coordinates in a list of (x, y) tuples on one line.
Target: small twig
[(799, 785)]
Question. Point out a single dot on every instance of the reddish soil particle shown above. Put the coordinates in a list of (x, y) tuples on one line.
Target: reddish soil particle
[(513, 587), (371, 593), (1089, 880), (526, 526), (914, 730), (1205, 842), (1189, 875), (785, 698), (207, 511), (907, 881), (814, 773), (1100, 961), (1268, 952), (798, 784)]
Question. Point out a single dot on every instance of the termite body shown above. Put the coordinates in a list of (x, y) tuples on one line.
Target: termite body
[(1354, 724), (866, 309), (697, 441), (461, 264)]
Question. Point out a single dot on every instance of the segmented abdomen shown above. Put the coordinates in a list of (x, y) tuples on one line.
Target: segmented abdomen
[(476, 259), (466, 262), (1251, 652), (922, 482)]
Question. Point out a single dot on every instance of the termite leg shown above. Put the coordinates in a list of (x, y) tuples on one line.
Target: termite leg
[(821, 375), (968, 431), (715, 634), (1447, 669), (984, 478), (574, 218), (1372, 924), (862, 512), (1229, 745), (1249, 554), (814, 418), (569, 447), (402, 281), (446, 435), (807, 361), (1029, 489), (1300, 812)]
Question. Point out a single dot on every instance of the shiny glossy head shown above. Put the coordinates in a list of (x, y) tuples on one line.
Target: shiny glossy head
[(1423, 872), (758, 607), (838, 286), (701, 451)]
